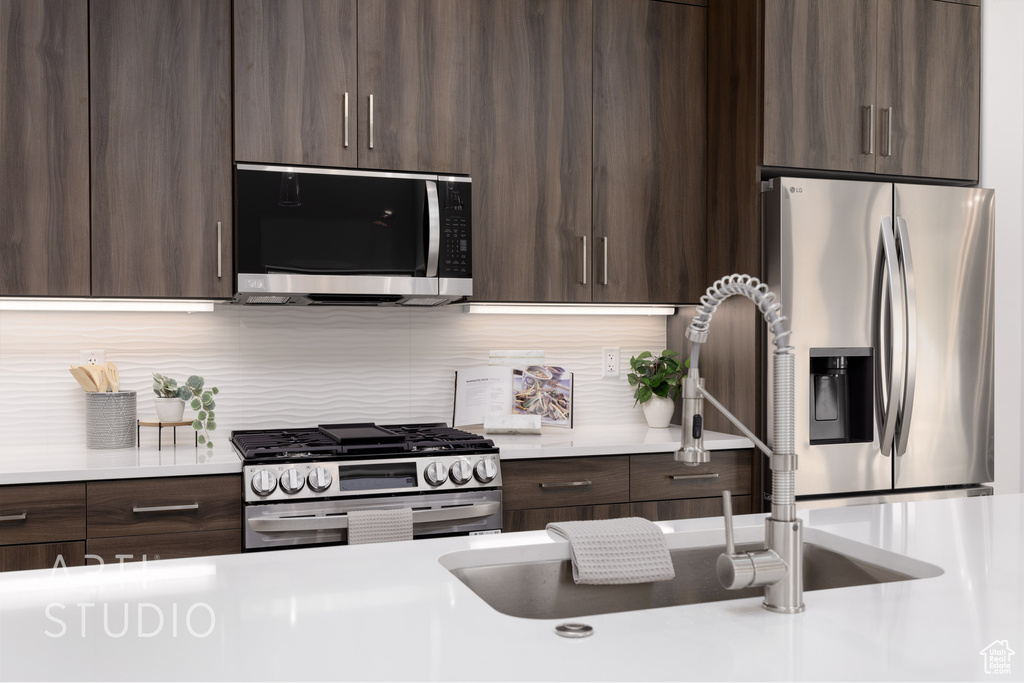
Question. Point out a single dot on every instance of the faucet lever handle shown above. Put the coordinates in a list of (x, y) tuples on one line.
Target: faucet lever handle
[(730, 547)]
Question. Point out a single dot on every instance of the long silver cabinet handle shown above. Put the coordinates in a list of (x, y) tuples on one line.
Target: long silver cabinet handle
[(475, 511), (888, 403), (604, 242), (220, 250), (14, 518), (433, 227), (910, 367), (677, 477), (887, 115), (565, 484), (346, 121), (167, 508), (584, 237), (869, 129), (371, 121)]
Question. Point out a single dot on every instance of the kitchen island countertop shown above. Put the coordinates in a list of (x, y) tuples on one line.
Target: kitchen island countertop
[(49, 464), (393, 612)]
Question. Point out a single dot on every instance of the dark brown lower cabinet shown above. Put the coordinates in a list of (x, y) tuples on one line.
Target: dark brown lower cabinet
[(42, 556), (653, 486), (164, 546)]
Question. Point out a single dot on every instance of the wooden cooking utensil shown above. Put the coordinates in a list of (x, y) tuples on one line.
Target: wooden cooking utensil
[(97, 375), (113, 379), (83, 378)]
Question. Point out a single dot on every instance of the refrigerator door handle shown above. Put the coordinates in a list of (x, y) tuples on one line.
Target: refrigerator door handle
[(910, 376), (887, 402)]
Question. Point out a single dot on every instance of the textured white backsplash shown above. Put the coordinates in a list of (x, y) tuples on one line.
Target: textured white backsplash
[(296, 367)]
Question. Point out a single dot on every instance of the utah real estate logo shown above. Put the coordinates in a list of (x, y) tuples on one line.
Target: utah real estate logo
[(997, 657)]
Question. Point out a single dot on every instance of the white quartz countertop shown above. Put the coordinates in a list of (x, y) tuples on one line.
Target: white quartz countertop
[(48, 464), (393, 612), (78, 463), (628, 439)]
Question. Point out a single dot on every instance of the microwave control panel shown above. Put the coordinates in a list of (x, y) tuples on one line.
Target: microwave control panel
[(455, 258)]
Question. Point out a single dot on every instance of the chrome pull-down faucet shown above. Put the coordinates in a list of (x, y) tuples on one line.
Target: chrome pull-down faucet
[(779, 566)]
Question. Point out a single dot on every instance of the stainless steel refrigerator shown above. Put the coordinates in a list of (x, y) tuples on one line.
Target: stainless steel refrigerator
[(889, 292)]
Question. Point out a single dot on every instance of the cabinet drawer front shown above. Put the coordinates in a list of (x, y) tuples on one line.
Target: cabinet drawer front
[(164, 546), (660, 477), (689, 508), (165, 505), (41, 513), (42, 556), (560, 482), (533, 520)]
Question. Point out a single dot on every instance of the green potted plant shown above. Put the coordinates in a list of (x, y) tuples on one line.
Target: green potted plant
[(656, 382), (198, 396)]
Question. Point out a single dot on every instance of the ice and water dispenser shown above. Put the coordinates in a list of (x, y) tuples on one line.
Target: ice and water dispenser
[(841, 396)]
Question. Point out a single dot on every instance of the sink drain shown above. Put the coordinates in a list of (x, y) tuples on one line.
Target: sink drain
[(573, 630)]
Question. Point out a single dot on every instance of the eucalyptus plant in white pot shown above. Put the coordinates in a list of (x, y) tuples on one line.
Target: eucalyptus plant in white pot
[(198, 396), (656, 381)]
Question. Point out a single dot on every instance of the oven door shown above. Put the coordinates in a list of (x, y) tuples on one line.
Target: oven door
[(285, 525)]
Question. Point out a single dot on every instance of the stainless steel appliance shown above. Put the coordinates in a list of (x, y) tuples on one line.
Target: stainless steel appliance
[(889, 288), (338, 236), (299, 484)]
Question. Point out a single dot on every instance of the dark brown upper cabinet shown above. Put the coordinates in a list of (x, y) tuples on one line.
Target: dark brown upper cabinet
[(588, 150), (531, 150), (160, 97), (295, 82), (379, 84), (44, 135), (650, 125), (875, 86)]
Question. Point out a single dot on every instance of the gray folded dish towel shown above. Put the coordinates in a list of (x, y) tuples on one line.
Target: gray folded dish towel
[(379, 526), (616, 551)]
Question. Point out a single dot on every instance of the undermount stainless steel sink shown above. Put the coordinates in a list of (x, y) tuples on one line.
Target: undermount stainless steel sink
[(536, 581)]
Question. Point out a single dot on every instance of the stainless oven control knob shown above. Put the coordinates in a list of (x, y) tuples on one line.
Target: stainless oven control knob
[(319, 479), (461, 471), (263, 483), (485, 470), (436, 473), (292, 481)]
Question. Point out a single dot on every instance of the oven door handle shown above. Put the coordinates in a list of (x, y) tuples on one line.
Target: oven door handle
[(460, 512)]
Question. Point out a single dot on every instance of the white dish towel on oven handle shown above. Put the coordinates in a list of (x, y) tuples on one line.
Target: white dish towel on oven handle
[(379, 526), (616, 551)]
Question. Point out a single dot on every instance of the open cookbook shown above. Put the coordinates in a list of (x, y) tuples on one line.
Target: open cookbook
[(487, 390)]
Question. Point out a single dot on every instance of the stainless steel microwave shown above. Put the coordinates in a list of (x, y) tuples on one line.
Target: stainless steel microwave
[(338, 236)]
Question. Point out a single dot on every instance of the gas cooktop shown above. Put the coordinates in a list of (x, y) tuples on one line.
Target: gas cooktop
[(355, 440)]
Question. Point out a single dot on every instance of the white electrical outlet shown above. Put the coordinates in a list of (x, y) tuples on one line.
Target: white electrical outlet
[(95, 356), (610, 362)]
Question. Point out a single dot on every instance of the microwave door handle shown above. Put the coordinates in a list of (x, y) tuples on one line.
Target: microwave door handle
[(910, 294), (433, 228), (450, 514)]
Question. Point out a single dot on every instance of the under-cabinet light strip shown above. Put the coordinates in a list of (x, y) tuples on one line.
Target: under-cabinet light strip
[(146, 305), (566, 309)]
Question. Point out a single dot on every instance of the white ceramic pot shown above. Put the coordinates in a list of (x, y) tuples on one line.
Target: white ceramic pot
[(169, 409), (658, 411)]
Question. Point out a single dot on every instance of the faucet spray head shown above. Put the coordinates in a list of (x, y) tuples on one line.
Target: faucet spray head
[(691, 451)]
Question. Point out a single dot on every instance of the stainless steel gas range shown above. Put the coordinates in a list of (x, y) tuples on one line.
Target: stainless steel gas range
[(300, 484)]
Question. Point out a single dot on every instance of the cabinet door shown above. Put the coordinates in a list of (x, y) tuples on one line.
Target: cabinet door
[(160, 78), (44, 135), (650, 124), (931, 80), (42, 556), (539, 518), (414, 64), (295, 82), (564, 482), (688, 508), (531, 150), (165, 546), (41, 513), (819, 84)]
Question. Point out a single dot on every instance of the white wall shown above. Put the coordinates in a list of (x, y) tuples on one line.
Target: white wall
[(294, 367), (1002, 168)]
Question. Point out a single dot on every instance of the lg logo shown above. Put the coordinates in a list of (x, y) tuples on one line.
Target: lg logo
[(256, 284), (793, 188)]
